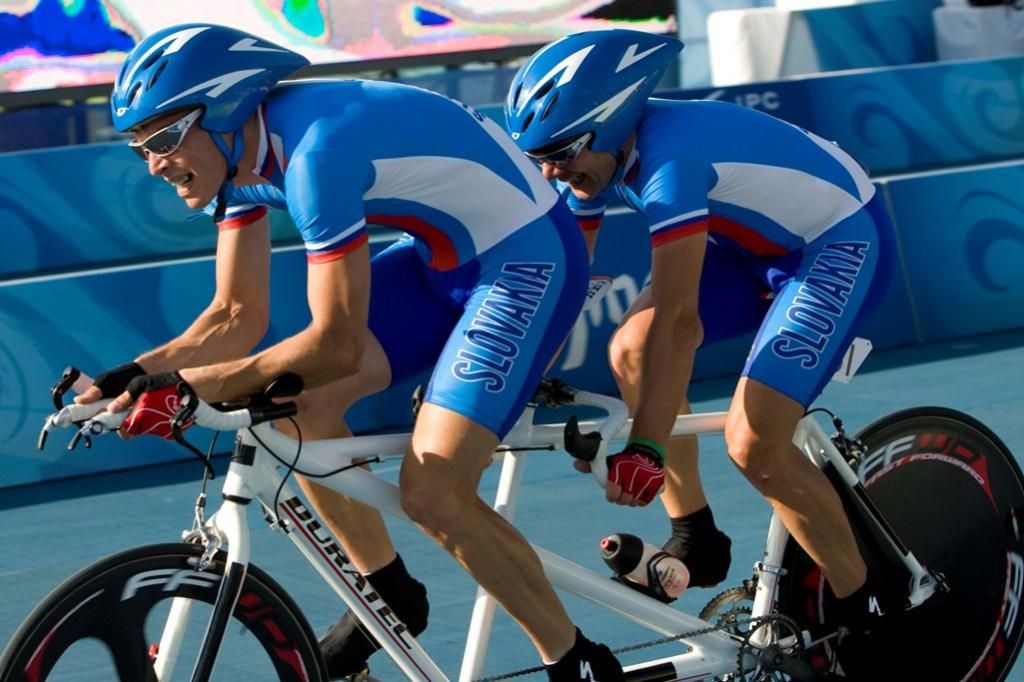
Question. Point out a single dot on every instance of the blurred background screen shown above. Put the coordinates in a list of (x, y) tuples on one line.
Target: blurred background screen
[(46, 44)]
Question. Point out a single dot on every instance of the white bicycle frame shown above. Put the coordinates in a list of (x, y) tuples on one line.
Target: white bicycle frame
[(711, 654), (254, 474)]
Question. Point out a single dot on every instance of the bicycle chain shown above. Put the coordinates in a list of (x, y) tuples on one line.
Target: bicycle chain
[(632, 647)]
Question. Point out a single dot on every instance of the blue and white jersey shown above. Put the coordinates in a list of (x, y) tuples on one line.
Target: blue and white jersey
[(753, 181), (340, 154)]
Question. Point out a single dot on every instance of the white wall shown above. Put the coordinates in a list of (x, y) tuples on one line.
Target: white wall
[(693, 21)]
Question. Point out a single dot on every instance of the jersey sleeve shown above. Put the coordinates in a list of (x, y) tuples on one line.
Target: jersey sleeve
[(242, 210), (588, 212), (675, 201), (325, 199)]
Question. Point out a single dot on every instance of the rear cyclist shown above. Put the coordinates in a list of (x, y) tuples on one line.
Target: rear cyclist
[(484, 290), (754, 224)]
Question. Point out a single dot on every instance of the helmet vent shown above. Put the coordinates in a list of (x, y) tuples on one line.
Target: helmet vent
[(133, 94), (514, 99), (151, 60), (156, 74), (527, 121), (544, 89), (121, 71), (549, 106)]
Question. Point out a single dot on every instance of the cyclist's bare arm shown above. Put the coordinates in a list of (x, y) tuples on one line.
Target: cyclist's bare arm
[(667, 361), (236, 318), (239, 314), (330, 348)]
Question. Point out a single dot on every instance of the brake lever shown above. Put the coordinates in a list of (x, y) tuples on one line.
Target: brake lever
[(67, 380), (73, 414), (58, 420), (43, 433), (73, 443), (104, 422)]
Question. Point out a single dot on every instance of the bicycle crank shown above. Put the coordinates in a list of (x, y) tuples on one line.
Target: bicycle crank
[(773, 649)]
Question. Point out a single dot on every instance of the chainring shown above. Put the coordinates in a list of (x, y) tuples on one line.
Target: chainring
[(766, 662), (730, 609)]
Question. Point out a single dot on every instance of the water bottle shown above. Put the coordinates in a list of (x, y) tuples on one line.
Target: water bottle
[(632, 558)]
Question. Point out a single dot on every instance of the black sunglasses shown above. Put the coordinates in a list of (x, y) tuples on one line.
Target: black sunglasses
[(166, 140), (563, 153)]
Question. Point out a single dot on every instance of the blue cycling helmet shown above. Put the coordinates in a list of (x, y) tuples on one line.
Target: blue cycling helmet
[(593, 82), (224, 71)]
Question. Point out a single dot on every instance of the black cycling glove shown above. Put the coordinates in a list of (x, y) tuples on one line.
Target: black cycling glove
[(147, 383), (114, 382)]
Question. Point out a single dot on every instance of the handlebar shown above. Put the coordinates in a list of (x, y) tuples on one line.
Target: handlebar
[(590, 447), (93, 419), (598, 440), (74, 413), (212, 418)]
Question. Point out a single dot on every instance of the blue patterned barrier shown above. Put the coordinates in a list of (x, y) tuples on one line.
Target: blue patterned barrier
[(873, 34), (91, 206), (900, 119), (962, 237)]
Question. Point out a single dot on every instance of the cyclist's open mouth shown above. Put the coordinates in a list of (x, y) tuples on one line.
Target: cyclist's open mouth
[(180, 181)]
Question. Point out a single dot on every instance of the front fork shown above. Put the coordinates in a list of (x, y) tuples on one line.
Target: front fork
[(228, 526)]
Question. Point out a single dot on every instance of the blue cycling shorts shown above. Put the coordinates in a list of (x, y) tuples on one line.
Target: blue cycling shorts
[(806, 305), (490, 327)]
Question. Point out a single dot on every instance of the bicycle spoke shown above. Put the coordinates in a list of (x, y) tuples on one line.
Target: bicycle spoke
[(120, 602), (131, 655)]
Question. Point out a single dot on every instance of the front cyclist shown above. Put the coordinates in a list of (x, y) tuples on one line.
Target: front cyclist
[(754, 223), (485, 289)]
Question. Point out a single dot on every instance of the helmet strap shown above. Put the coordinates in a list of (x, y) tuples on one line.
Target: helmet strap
[(621, 157), (620, 168), (232, 156)]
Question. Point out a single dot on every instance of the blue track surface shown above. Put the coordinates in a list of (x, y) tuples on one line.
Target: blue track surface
[(52, 530)]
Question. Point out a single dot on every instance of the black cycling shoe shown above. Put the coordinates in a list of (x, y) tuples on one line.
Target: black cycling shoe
[(698, 543), (586, 661), (346, 646), (868, 617)]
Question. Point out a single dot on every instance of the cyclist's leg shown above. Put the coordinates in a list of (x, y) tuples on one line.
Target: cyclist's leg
[(524, 299), (396, 280), (400, 300), (820, 301), (449, 452), (360, 528), (346, 646), (759, 434)]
